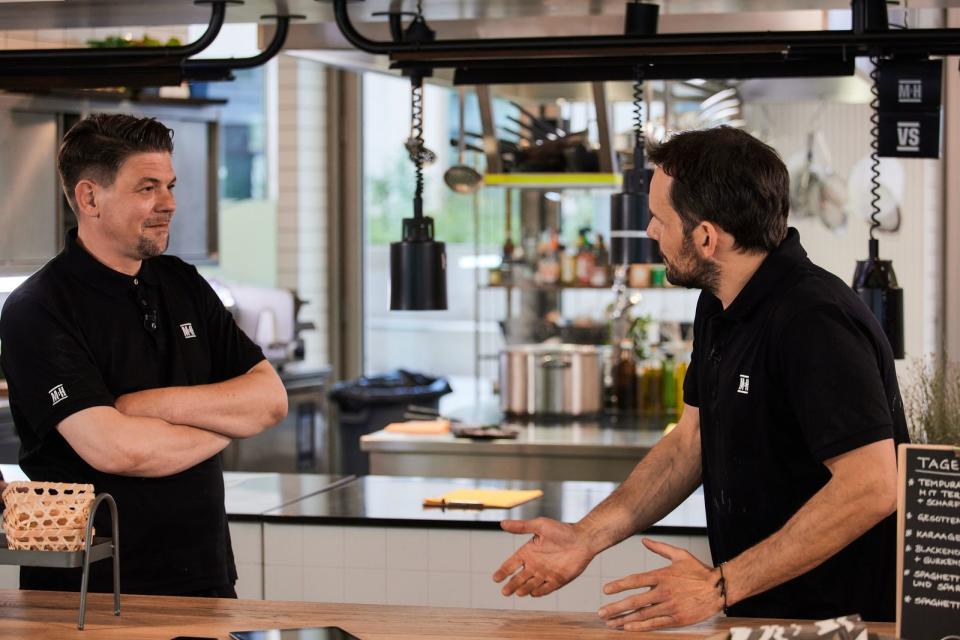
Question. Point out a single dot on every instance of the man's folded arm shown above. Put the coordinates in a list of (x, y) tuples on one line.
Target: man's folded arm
[(114, 443), (239, 407)]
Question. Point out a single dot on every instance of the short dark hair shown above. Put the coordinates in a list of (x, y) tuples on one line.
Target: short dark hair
[(727, 177), (98, 145)]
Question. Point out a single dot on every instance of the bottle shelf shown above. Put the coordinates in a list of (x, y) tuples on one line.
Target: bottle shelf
[(574, 287)]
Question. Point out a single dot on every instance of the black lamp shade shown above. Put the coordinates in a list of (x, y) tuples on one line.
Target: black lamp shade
[(418, 276), (629, 217), (876, 284)]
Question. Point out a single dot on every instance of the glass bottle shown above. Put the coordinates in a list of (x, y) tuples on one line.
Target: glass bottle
[(585, 258), (668, 390), (625, 378)]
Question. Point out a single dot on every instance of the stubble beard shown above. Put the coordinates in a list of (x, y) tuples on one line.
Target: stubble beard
[(697, 272), (147, 247)]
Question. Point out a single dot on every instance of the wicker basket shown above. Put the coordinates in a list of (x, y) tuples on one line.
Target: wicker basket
[(46, 516)]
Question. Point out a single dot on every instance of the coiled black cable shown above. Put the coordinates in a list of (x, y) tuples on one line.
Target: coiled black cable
[(874, 147), (417, 150), (638, 114)]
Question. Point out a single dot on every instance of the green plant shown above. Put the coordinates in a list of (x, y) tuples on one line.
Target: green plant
[(637, 333), (932, 401), (121, 42)]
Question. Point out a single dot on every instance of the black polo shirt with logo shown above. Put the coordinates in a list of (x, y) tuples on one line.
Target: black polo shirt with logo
[(78, 334), (794, 372)]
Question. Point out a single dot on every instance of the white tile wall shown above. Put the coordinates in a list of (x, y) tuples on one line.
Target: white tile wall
[(301, 193), (408, 587), (283, 545), (583, 594), (365, 547), (449, 589), (323, 584), (247, 539), (249, 581), (407, 549), (282, 582), (365, 586), (449, 550), (431, 567), (485, 593), (323, 547)]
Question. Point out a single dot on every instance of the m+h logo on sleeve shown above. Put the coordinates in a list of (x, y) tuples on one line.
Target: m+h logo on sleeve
[(744, 387), (57, 394)]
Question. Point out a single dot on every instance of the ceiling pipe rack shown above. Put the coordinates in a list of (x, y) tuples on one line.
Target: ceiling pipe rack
[(667, 56), (29, 58), (72, 68), (222, 68)]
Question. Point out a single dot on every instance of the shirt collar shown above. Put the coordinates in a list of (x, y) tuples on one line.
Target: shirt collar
[(780, 262), (87, 268)]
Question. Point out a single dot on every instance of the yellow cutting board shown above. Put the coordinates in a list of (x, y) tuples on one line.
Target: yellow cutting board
[(486, 498)]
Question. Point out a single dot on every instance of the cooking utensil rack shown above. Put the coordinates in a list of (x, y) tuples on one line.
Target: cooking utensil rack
[(95, 549)]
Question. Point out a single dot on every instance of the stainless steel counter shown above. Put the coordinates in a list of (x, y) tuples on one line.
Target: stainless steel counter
[(599, 450)]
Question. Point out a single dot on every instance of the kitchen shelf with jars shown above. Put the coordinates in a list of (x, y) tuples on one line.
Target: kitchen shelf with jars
[(558, 300)]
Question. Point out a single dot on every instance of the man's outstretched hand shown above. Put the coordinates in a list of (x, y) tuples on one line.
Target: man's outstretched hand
[(555, 555), (686, 592)]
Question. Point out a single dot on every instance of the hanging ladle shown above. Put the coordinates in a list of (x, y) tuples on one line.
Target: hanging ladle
[(460, 177)]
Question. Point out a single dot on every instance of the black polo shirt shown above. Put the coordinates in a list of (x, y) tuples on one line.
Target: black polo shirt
[(78, 334), (794, 372)]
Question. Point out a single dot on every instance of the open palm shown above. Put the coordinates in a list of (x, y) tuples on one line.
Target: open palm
[(555, 555)]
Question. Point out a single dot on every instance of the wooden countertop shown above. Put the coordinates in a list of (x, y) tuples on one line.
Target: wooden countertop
[(35, 615)]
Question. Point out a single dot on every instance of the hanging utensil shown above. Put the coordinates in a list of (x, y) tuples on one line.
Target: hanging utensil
[(460, 177), (833, 190), (537, 133), (805, 186), (537, 121)]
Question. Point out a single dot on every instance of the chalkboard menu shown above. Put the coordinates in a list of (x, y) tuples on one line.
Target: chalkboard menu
[(928, 543)]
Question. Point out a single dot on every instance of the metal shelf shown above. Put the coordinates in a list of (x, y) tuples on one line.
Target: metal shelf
[(101, 548), (554, 180), (573, 287)]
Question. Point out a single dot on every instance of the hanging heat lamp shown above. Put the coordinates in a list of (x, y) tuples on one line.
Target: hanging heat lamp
[(418, 264), (629, 210), (874, 279)]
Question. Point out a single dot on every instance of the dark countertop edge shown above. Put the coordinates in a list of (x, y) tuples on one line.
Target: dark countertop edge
[(429, 524)]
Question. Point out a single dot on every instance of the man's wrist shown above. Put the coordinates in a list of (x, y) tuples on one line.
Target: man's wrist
[(592, 536)]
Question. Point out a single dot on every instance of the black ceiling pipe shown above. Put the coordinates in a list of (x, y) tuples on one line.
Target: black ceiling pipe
[(221, 68), (117, 55), (933, 42), (74, 78), (142, 73), (624, 72)]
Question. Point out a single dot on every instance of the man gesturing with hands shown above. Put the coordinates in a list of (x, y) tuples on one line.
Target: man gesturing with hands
[(791, 417)]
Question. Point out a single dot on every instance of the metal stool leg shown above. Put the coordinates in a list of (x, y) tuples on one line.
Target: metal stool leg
[(115, 551)]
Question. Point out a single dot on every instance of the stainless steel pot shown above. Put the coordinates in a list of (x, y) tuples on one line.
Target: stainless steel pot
[(554, 379)]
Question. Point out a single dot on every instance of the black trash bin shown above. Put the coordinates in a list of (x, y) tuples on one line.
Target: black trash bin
[(370, 403)]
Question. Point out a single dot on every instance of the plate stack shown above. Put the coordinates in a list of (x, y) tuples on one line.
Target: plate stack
[(46, 516)]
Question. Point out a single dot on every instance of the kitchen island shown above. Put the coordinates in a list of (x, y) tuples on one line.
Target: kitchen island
[(603, 449), (35, 615), (369, 540)]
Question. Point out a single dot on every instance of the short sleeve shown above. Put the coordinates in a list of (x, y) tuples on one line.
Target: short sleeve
[(50, 372), (233, 352), (691, 380), (831, 369)]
